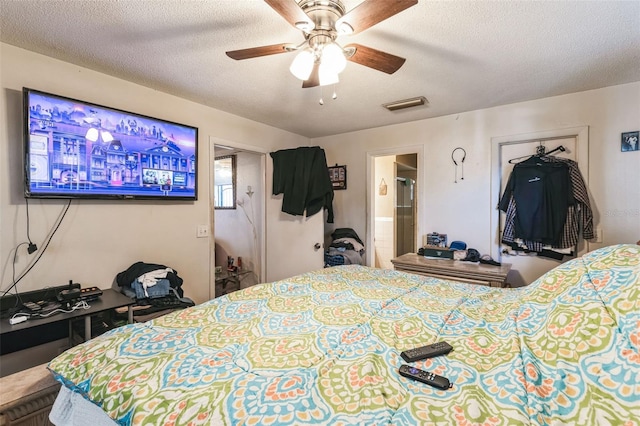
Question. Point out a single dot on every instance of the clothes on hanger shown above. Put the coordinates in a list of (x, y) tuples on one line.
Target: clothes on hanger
[(540, 151), (547, 206), (541, 191), (301, 174)]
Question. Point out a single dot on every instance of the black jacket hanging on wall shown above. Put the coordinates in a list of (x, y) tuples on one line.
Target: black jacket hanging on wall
[(301, 174), (542, 193), (552, 212)]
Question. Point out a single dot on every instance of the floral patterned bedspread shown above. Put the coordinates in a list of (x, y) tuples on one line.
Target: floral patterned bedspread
[(324, 348)]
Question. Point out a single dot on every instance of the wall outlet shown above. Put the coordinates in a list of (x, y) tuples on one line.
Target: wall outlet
[(202, 231)]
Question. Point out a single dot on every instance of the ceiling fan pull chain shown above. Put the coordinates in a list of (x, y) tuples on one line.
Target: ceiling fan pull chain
[(335, 94), (321, 102)]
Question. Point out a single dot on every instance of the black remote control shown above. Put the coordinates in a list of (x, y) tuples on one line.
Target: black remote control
[(429, 351), (424, 377)]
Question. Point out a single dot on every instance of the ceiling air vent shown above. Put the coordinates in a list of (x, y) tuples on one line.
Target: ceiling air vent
[(407, 103)]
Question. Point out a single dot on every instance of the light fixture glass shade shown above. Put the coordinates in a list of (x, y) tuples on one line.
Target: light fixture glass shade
[(302, 65), (333, 57), (327, 76), (92, 134)]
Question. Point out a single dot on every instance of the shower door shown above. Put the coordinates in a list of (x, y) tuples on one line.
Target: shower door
[(405, 216)]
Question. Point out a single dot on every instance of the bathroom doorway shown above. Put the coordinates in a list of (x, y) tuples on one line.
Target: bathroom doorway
[(238, 209), (394, 205)]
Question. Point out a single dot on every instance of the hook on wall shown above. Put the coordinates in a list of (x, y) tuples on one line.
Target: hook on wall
[(464, 155)]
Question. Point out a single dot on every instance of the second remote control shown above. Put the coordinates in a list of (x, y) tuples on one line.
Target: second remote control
[(439, 348), (425, 377)]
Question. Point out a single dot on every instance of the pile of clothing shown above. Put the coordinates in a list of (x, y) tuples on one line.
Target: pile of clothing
[(157, 290), (346, 248)]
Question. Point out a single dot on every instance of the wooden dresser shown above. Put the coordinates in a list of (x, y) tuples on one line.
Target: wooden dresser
[(26, 397), (456, 270)]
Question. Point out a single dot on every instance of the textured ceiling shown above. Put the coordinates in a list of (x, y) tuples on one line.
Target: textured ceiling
[(461, 55)]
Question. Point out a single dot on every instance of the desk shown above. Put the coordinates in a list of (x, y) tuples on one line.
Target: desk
[(456, 270), (109, 300)]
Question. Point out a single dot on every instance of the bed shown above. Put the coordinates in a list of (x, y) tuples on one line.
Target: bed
[(324, 348)]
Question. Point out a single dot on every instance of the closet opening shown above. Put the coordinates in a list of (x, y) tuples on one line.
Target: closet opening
[(512, 151)]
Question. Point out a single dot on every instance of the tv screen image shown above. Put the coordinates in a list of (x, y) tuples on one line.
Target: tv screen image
[(76, 149)]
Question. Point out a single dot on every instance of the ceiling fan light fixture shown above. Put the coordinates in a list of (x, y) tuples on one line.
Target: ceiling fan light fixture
[(302, 65), (333, 57), (327, 76), (322, 21), (406, 103)]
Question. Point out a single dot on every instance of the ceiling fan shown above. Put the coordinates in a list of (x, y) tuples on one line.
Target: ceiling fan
[(320, 58)]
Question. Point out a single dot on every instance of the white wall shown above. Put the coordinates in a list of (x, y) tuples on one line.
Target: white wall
[(462, 210), (98, 239)]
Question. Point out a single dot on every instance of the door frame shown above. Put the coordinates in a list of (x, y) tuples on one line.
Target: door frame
[(581, 134), (370, 197), (262, 237)]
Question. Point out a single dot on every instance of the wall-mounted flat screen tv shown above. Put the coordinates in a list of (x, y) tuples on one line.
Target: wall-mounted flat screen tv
[(76, 149)]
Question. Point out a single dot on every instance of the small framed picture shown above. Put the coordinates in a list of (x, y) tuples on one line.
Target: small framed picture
[(338, 176), (630, 142)]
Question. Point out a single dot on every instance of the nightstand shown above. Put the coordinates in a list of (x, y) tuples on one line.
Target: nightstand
[(26, 397)]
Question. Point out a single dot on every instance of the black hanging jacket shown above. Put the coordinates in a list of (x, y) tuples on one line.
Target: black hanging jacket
[(301, 174), (542, 193)]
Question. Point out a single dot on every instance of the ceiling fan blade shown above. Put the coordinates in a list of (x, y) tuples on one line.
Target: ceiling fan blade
[(291, 11), (376, 59), (314, 78), (255, 52), (370, 12)]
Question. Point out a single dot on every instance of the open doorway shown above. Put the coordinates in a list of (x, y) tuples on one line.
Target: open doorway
[(394, 223), (238, 213)]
